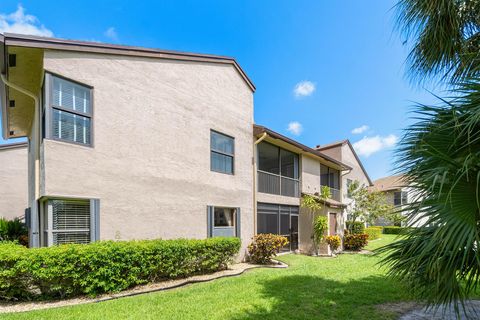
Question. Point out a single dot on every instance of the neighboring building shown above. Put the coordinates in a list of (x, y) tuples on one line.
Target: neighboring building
[(285, 170), (129, 143), (398, 193), (343, 151), (13, 180)]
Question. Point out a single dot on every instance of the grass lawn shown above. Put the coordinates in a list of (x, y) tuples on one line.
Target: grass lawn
[(347, 287)]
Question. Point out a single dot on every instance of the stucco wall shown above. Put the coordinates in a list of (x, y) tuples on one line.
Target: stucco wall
[(310, 175), (13, 181), (150, 164)]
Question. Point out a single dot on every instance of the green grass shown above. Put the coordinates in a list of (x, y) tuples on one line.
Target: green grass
[(347, 287)]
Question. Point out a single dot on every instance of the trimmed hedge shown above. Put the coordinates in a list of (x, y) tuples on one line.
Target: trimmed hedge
[(394, 230), (373, 232), (358, 227), (106, 266)]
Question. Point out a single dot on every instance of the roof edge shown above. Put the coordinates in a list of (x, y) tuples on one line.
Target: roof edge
[(21, 40), (257, 129), (15, 145)]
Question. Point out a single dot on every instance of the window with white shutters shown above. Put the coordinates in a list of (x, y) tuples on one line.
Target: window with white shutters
[(69, 110), (70, 221)]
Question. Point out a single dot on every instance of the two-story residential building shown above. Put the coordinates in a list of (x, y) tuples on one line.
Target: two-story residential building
[(398, 193), (286, 169), (13, 180), (128, 142), (343, 151)]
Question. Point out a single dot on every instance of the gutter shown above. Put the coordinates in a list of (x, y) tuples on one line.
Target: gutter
[(35, 134), (263, 136)]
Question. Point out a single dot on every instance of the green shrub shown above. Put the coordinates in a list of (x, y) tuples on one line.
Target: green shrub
[(355, 242), (394, 230), (334, 242), (320, 226), (373, 232), (106, 266), (356, 227), (13, 230), (265, 246)]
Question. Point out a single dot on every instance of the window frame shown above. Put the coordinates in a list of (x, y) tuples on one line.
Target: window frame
[(48, 107), (212, 150), (211, 220), (46, 220)]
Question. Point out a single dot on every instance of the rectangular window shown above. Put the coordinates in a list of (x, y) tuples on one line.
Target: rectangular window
[(397, 198), (69, 110), (400, 198), (222, 153), (223, 222), (70, 221)]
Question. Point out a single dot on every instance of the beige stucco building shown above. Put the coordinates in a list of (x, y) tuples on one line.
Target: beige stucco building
[(130, 143), (137, 143), (343, 151), (13, 180), (286, 169)]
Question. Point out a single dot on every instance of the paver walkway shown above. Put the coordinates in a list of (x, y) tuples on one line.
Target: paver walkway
[(472, 312)]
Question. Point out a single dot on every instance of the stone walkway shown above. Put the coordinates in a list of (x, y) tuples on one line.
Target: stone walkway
[(233, 270), (472, 312)]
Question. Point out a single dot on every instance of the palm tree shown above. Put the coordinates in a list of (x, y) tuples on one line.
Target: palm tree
[(440, 154), (446, 36)]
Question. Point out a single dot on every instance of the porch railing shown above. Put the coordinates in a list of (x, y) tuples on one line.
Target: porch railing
[(335, 194), (276, 184)]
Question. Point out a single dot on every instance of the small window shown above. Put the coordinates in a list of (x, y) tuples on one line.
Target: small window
[(70, 221), (399, 198), (222, 153), (224, 222), (70, 111)]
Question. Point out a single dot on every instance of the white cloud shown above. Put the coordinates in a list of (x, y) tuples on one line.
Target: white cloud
[(295, 128), (19, 22), (360, 129), (111, 33), (370, 145), (304, 89)]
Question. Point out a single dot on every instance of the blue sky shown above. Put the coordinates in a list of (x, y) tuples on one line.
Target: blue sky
[(321, 68)]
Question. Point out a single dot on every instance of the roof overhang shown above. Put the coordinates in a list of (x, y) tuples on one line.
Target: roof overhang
[(342, 143), (21, 40), (300, 148)]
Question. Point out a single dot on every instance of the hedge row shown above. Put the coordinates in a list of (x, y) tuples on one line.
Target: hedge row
[(107, 266), (394, 230), (373, 232)]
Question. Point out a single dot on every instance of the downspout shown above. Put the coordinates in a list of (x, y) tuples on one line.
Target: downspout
[(36, 118), (263, 136)]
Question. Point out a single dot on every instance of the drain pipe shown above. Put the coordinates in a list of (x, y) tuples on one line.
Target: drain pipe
[(263, 136), (34, 214)]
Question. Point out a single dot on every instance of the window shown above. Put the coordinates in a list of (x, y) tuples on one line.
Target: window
[(400, 198), (223, 222), (68, 110), (222, 153), (70, 221)]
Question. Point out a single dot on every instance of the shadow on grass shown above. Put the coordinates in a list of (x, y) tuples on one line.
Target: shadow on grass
[(313, 297)]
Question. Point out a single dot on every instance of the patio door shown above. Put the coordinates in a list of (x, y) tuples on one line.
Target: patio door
[(281, 220)]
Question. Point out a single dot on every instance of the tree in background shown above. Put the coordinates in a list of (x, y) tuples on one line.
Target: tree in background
[(314, 204), (440, 154), (368, 206)]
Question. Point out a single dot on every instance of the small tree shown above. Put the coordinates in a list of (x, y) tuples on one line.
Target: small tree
[(314, 204), (368, 206)]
